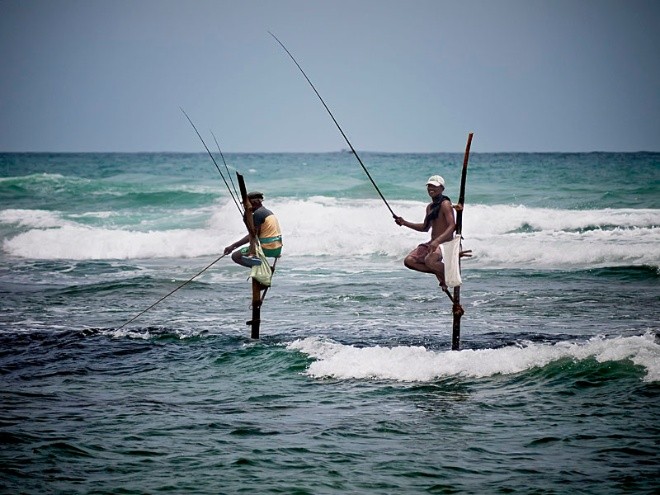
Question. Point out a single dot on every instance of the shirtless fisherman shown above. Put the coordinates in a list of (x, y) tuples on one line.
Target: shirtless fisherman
[(439, 218)]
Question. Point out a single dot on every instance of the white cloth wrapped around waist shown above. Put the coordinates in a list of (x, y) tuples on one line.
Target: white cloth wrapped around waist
[(451, 251)]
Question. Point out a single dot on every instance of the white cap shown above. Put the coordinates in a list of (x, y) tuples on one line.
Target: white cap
[(436, 180)]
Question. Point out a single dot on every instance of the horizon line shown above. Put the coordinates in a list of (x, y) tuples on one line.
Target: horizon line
[(341, 151)]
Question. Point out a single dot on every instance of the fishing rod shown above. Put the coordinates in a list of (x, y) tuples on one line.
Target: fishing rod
[(172, 292), (225, 162), (233, 196), (336, 123), (214, 162)]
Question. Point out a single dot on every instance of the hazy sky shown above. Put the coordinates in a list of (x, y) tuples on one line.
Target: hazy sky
[(399, 75)]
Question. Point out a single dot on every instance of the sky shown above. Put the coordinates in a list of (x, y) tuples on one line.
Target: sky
[(398, 75)]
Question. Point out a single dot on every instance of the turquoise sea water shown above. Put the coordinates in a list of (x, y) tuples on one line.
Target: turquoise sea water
[(353, 387)]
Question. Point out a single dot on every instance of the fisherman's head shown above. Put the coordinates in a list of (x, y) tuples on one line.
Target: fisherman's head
[(255, 198), (435, 185)]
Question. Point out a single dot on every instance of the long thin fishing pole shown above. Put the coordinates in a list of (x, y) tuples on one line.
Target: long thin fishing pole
[(336, 123), (172, 292), (214, 162), (225, 162)]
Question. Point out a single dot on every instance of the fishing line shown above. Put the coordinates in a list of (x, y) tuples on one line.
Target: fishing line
[(214, 162), (172, 292), (225, 162), (337, 124)]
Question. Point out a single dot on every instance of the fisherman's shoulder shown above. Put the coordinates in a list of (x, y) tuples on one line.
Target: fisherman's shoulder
[(262, 212)]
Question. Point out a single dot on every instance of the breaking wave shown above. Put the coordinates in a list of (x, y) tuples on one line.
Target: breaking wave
[(499, 235)]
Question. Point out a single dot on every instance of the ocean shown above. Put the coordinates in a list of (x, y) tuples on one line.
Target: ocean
[(353, 386)]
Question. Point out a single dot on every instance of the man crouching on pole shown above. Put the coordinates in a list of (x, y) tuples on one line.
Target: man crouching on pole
[(427, 257), (267, 229)]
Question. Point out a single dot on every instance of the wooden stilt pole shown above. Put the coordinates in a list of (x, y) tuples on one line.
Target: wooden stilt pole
[(256, 310), (256, 286), (457, 310)]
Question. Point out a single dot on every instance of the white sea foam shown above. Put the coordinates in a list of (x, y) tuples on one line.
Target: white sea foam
[(32, 218), (500, 236), (147, 334), (81, 242), (35, 177), (418, 364)]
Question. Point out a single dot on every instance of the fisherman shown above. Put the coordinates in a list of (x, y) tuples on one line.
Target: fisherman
[(427, 257), (267, 229)]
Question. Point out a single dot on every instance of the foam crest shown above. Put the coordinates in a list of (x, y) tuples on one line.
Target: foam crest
[(566, 250), (503, 219), (328, 226), (85, 243), (32, 218), (499, 236), (25, 179), (418, 364), (146, 333)]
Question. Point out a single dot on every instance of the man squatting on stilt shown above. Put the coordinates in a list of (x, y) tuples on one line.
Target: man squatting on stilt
[(439, 218), (268, 232)]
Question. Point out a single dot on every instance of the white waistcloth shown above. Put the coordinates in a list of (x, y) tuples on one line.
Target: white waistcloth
[(451, 251)]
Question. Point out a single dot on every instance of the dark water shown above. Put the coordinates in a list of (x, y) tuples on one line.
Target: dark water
[(352, 387), (93, 414)]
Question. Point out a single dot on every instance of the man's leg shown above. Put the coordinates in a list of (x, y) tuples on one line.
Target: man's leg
[(413, 264), (236, 257), (434, 264), (415, 259), (239, 256)]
